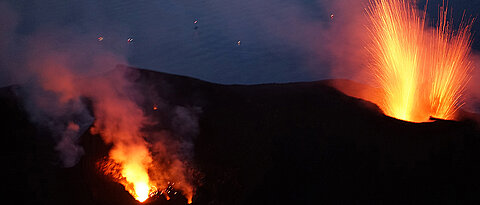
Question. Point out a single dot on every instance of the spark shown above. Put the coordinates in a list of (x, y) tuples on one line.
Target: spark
[(423, 72)]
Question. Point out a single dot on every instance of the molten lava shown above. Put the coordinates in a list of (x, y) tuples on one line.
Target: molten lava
[(143, 167), (422, 72), (133, 176), (136, 174)]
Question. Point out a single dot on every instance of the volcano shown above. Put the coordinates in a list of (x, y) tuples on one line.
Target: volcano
[(292, 143)]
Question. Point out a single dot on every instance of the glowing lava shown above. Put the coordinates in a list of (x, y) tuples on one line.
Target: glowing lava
[(130, 169), (451, 68), (137, 175), (141, 191), (422, 72)]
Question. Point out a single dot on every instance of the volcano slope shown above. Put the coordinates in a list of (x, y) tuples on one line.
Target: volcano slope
[(294, 143)]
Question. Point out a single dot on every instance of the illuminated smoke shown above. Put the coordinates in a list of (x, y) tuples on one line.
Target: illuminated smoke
[(72, 88), (68, 86)]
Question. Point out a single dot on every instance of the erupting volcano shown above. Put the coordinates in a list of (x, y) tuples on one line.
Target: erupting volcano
[(143, 167), (256, 102), (422, 72)]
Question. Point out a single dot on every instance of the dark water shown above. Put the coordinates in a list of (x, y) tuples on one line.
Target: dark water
[(165, 37)]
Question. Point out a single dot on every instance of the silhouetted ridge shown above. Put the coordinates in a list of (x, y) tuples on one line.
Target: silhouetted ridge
[(294, 143)]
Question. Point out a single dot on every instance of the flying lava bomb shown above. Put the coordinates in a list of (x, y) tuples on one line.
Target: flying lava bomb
[(265, 102), (422, 71)]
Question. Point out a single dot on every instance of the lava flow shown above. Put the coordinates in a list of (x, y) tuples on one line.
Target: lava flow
[(423, 72)]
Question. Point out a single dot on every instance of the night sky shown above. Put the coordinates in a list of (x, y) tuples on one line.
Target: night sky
[(245, 42)]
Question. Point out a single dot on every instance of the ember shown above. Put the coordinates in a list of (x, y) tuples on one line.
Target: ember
[(422, 72)]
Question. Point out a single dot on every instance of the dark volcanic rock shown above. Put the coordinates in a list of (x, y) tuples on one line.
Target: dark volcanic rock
[(295, 143)]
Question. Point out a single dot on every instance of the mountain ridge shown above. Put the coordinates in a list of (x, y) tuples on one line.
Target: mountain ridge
[(289, 143)]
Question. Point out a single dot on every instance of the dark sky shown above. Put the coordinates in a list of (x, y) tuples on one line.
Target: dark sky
[(280, 40)]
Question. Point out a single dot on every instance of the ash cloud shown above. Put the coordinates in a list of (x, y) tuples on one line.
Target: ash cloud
[(66, 121), (68, 87), (57, 72)]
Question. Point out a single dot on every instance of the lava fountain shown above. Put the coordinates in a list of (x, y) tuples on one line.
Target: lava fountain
[(423, 72)]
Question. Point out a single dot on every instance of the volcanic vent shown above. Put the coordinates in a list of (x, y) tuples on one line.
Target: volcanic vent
[(422, 71), (322, 144)]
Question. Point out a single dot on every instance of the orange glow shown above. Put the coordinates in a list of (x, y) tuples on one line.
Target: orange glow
[(142, 167), (137, 176), (141, 190), (422, 72), (132, 165), (131, 170)]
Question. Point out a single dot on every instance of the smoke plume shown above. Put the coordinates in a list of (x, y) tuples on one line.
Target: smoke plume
[(64, 68), (69, 84)]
